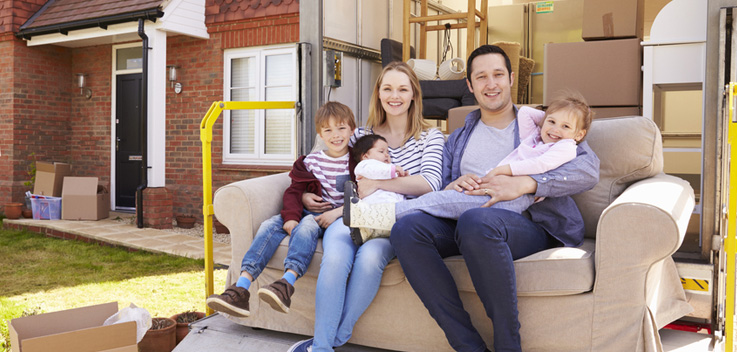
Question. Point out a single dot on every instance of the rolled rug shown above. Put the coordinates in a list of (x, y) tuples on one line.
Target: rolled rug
[(424, 69), (452, 69)]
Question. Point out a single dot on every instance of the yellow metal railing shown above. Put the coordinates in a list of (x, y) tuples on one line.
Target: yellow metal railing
[(729, 241), (206, 138)]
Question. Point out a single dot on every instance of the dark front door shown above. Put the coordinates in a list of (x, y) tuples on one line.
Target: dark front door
[(128, 152)]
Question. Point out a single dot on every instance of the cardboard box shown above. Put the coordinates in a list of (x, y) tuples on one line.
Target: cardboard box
[(73, 330), (607, 73), (600, 113), (607, 19), (49, 178), (84, 199)]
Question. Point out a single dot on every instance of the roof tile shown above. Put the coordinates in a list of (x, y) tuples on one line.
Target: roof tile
[(234, 10), (65, 11)]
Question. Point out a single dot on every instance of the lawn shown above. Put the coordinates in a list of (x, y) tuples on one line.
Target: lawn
[(40, 274)]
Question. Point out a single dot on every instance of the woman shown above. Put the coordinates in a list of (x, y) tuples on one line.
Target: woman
[(395, 113)]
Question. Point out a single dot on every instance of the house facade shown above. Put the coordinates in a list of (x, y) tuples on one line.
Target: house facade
[(71, 91)]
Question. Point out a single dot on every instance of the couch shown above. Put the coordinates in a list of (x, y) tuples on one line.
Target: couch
[(612, 293)]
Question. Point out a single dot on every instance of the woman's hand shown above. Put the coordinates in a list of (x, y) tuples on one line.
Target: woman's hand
[(468, 182), (327, 218), (501, 188), (366, 186), (314, 203)]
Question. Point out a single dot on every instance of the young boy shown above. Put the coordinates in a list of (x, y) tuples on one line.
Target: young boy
[(318, 173)]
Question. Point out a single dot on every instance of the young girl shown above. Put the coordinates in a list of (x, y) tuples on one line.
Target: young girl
[(548, 140)]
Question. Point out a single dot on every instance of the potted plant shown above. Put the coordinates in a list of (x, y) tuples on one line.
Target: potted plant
[(13, 210), (186, 221), (183, 320), (161, 337)]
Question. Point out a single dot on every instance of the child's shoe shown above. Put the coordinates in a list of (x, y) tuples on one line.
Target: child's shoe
[(278, 295), (234, 301), (358, 215)]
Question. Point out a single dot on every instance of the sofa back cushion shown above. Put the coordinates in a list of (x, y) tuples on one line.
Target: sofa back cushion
[(629, 149)]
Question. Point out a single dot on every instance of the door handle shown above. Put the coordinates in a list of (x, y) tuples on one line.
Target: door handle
[(117, 143)]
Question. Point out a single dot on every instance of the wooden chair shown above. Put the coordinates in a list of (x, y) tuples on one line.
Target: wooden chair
[(471, 23)]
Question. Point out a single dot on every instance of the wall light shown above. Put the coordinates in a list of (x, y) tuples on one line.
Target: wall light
[(173, 78), (82, 85)]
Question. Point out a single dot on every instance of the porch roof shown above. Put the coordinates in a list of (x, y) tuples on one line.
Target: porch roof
[(62, 16)]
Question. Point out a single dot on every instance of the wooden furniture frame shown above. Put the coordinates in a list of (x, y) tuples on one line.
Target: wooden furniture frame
[(471, 23)]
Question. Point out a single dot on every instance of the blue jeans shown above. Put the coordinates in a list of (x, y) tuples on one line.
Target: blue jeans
[(302, 245), (348, 281), (489, 240), (451, 204)]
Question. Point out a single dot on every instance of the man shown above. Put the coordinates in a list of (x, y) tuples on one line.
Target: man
[(489, 239)]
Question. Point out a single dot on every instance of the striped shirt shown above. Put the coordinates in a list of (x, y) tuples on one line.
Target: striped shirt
[(422, 156), (329, 171)]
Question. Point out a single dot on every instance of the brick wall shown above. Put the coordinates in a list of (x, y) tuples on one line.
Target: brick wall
[(202, 78), (40, 103), (91, 118), (13, 13)]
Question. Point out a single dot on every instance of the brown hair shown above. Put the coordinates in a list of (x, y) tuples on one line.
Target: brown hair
[(377, 115), (576, 104), (336, 110)]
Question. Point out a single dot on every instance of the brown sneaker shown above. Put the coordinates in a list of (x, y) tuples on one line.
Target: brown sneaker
[(278, 295), (233, 301)]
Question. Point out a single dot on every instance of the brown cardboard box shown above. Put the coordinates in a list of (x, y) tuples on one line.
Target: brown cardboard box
[(73, 330), (600, 113), (49, 178), (607, 72), (84, 198), (607, 19)]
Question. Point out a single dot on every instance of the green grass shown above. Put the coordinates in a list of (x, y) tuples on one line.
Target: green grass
[(41, 274)]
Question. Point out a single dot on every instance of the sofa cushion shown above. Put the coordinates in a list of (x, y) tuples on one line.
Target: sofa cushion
[(553, 272), (629, 149)]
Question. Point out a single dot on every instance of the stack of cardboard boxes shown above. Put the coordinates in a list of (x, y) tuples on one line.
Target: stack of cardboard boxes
[(606, 66), (60, 196)]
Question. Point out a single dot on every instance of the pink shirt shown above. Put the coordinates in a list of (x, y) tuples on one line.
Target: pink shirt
[(532, 156)]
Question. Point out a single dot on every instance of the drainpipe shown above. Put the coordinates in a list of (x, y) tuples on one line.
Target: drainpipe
[(144, 127)]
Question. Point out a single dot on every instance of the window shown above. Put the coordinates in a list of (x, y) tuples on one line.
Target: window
[(260, 137)]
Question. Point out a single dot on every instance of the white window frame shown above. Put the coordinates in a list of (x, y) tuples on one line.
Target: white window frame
[(258, 157)]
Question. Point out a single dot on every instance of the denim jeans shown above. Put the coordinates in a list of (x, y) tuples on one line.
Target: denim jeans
[(302, 245), (489, 240), (348, 281), (451, 204)]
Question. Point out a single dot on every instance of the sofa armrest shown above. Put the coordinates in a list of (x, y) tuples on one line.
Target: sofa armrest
[(646, 223), (242, 206), (635, 273)]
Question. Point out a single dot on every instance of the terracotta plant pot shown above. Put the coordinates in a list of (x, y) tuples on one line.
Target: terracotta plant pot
[(27, 213), (183, 320), (161, 337), (13, 210), (219, 227), (186, 221)]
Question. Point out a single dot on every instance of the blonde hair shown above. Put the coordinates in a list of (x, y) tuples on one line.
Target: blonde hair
[(336, 110), (576, 105), (377, 115)]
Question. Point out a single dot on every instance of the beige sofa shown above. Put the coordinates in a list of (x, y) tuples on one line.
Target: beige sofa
[(611, 294)]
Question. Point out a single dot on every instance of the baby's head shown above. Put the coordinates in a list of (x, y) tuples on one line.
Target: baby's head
[(568, 117), (371, 146)]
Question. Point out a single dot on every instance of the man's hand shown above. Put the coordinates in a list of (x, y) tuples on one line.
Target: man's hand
[(468, 182), (314, 203), (327, 218), (501, 188), (289, 226)]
